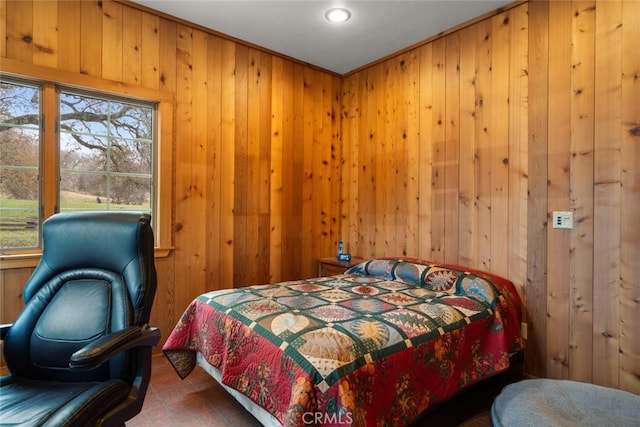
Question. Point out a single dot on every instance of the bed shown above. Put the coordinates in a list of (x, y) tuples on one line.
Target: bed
[(378, 345)]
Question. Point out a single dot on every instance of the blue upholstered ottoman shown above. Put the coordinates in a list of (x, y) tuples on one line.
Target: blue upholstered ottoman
[(559, 403)]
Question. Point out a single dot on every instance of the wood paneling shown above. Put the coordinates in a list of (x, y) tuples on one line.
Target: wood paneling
[(467, 214), (524, 113), (472, 105), (425, 154), (457, 150), (629, 314), (213, 158), (112, 41), (45, 33), (131, 46), (245, 120), (11, 284), (503, 69), (3, 28), (606, 195), (69, 33), (481, 166), (537, 163), (581, 186), (559, 121), (91, 19), (518, 137)]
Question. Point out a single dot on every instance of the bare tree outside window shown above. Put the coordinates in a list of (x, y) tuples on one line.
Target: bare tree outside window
[(19, 165), (106, 157), (106, 154)]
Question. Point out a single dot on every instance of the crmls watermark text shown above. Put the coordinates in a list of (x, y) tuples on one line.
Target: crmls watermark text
[(325, 418)]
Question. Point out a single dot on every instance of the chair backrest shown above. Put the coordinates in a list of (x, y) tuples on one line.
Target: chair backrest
[(96, 276)]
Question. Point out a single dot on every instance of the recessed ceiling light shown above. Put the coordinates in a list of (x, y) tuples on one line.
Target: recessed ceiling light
[(337, 14)]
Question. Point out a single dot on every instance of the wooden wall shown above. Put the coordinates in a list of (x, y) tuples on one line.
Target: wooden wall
[(456, 150), (459, 150), (256, 144), (440, 135), (593, 148)]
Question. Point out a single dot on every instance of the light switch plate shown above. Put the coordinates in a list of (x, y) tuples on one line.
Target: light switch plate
[(563, 220)]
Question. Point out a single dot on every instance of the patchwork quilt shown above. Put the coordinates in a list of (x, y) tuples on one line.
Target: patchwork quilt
[(377, 345)]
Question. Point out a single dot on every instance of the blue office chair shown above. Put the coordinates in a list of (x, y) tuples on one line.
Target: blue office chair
[(79, 353)]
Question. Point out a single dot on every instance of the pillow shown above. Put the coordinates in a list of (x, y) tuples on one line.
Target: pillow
[(381, 268), (441, 279), (478, 288), (410, 272)]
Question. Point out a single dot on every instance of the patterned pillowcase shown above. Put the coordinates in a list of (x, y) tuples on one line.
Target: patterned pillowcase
[(477, 287), (358, 269), (458, 282), (406, 270), (441, 279), (382, 268), (435, 277), (410, 272)]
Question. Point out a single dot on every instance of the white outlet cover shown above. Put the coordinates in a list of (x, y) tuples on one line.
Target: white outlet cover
[(563, 219)]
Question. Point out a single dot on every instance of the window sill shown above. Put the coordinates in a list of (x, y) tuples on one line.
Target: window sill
[(30, 260)]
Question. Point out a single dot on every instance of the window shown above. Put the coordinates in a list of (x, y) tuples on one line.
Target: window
[(106, 153), (64, 147), (20, 120)]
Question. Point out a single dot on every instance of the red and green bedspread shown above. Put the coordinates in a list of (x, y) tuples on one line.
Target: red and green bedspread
[(375, 346)]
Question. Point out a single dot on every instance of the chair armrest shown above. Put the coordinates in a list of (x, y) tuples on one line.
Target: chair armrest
[(4, 328), (102, 349)]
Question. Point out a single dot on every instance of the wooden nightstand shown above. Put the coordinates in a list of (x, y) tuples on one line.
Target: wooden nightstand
[(330, 266)]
